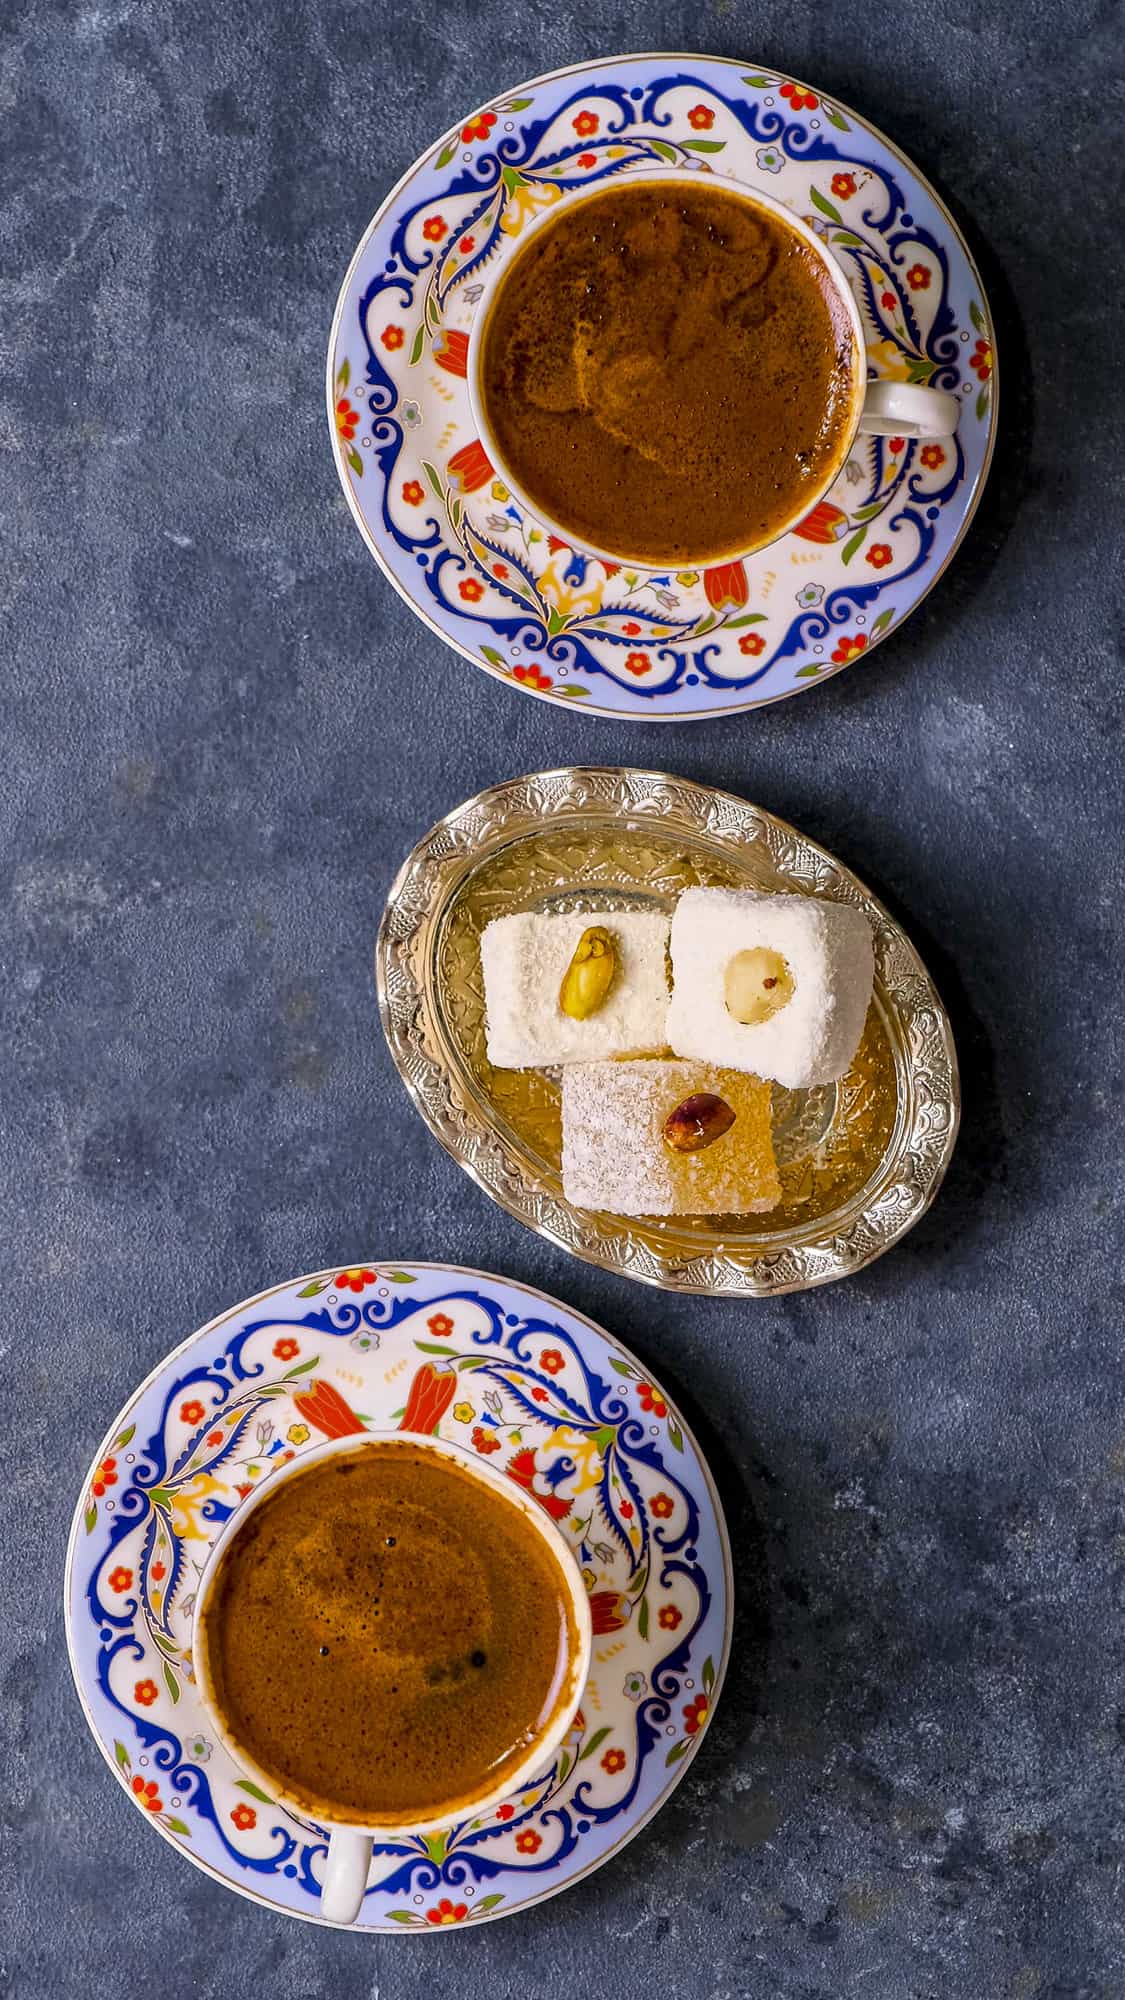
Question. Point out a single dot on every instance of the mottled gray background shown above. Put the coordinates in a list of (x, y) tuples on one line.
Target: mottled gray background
[(221, 732)]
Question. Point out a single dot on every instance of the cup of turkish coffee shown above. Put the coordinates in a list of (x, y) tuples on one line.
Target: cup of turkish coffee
[(389, 1637), (670, 371)]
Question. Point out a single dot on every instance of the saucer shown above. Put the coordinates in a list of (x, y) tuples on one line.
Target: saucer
[(540, 1393), (608, 638), (860, 1160)]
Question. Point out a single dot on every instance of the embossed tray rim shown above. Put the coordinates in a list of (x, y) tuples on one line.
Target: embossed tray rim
[(455, 1107)]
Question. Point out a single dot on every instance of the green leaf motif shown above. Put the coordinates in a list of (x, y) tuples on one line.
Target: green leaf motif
[(494, 659), (555, 621), (488, 1903), (919, 371), (708, 1674), (562, 1768), (882, 621), (435, 1347), (844, 236), (872, 508), (853, 546), (443, 160), (574, 692), (516, 104), (748, 618), (834, 118), (434, 478), (171, 1682), (675, 1437), (176, 1826), (976, 315), (677, 1751), (301, 1369), (642, 1619), (122, 1756), (403, 1916), (982, 401), (825, 206), (120, 1442), (91, 1517), (310, 1291), (595, 1743), (808, 673), (663, 151), (344, 375), (758, 82), (255, 1791), (418, 344), (705, 145), (355, 461), (622, 1367)]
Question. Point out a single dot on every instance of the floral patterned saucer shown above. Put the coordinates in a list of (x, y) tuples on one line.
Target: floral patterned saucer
[(606, 638), (507, 1372)]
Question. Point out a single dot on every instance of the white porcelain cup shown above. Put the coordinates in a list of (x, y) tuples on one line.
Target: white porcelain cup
[(350, 1842), (881, 409)]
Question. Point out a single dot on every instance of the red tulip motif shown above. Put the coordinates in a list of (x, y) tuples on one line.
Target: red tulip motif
[(429, 1397), (609, 1610), (470, 467), (324, 1408), (451, 352), (726, 583), (826, 523)]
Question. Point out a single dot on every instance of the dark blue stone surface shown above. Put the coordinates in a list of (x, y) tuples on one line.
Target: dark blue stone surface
[(221, 732)]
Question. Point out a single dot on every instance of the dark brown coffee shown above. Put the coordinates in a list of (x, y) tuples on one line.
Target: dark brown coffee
[(386, 1637), (668, 372)]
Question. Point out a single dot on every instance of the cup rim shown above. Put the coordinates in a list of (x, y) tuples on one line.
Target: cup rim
[(682, 177), (544, 1747)]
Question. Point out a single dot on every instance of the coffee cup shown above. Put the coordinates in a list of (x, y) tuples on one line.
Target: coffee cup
[(877, 407), (351, 1840)]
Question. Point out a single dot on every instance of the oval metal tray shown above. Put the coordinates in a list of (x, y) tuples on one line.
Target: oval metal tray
[(860, 1160)]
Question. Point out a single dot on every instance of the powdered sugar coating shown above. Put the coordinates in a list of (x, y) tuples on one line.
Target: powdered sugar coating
[(524, 959), (615, 1156), (828, 949)]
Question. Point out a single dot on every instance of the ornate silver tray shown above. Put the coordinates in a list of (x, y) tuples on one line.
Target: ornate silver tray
[(860, 1160)]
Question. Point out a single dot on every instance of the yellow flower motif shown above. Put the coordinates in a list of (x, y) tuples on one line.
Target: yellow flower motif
[(589, 1578), (297, 1433), (890, 361), (569, 599), (185, 1508), (523, 202), (464, 1412), (498, 490), (579, 1446), (687, 577)]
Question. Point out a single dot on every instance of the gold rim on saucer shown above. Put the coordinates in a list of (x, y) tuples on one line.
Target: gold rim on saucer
[(860, 1160)]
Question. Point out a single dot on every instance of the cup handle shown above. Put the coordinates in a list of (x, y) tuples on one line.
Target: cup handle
[(906, 409), (345, 1876)]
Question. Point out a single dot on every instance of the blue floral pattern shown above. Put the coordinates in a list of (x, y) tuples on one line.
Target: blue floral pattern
[(603, 636), (542, 1396)]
